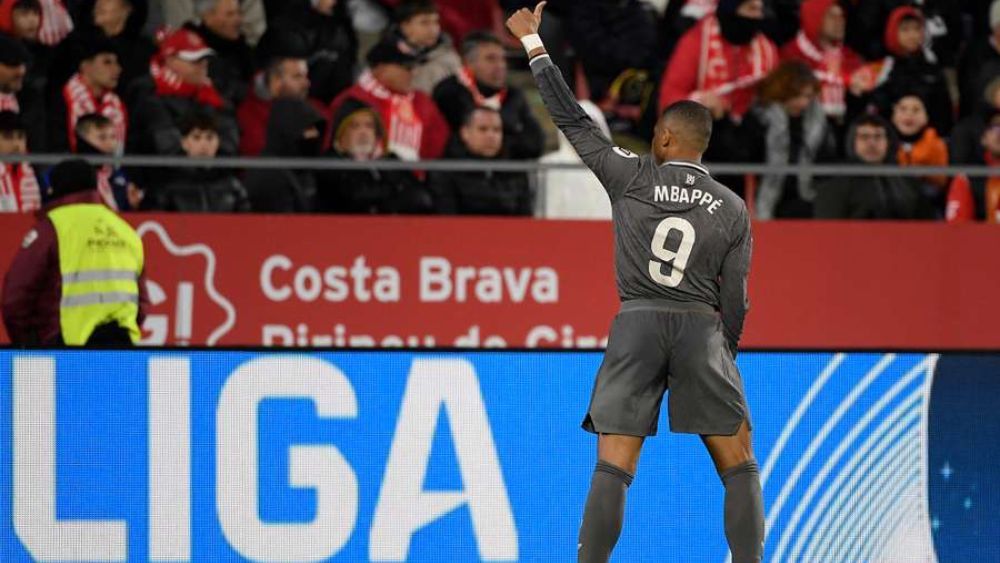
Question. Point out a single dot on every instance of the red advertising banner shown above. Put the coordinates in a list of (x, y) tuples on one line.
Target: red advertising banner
[(333, 281)]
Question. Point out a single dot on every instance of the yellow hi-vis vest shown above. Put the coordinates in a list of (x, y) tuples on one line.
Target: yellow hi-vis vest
[(100, 259)]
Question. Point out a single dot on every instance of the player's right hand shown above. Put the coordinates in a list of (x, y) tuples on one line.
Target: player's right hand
[(525, 22)]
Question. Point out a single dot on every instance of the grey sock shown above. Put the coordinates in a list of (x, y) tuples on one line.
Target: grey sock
[(744, 512), (603, 515)]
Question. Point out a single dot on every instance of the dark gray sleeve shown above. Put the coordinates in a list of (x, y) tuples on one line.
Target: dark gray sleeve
[(733, 294), (613, 166)]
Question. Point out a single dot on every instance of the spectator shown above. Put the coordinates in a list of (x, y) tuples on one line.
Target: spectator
[(65, 285), (906, 68), (990, 187), (119, 21), (920, 143), (795, 131), (21, 19), (19, 191), (198, 188), (359, 135), (416, 128), (283, 77), (90, 90), (475, 192), (611, 37), (980, 64), (13, 67), (483, 82), (870, 141), (820, 44), (231, 69), (97, 135), (732, 56), (294, 130), (253, 16), (965, 142), (418, 29), (323, 28), (178, 86), (942, 28)]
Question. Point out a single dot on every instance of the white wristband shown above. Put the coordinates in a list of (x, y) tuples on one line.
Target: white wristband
[(531, 42)]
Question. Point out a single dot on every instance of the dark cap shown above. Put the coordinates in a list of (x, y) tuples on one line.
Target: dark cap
[(392, 50), (71, 176), (13, 52)]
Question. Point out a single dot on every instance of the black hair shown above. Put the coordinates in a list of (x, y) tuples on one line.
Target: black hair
[(467, 116), (693, 123), (200, 120), (91, 120), (411, 8), (27, 6), (476, 39)]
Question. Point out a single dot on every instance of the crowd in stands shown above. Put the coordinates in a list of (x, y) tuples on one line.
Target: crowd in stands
[(866, 82)]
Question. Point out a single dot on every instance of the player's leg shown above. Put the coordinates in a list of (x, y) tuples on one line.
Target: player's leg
[(744, 505), (617, 458)]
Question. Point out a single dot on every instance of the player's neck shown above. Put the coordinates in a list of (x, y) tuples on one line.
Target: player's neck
[(687, 156)]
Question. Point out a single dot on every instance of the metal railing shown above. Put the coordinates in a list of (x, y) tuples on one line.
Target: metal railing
[(530, 166)]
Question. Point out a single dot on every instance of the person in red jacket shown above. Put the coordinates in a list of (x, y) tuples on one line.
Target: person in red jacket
[(820, 44), (719, 61), (283, 77), (415, 127)]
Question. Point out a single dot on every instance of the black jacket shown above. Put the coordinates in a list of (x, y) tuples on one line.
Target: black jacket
[(912, 75), (523, 136), (371, 191), (285, 190), (979, 65), (873, 197), (154, 122), (866, 26), (329, 42), (211, 190), (479, 193), (231, 69)]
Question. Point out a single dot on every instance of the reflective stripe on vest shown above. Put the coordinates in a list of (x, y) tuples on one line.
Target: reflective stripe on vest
[(100, 259)]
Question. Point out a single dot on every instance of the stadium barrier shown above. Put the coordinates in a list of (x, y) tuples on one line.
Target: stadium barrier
[(176, 455), (338, 281)]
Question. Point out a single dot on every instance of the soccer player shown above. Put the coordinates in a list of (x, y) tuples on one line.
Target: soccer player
[(682, 251)]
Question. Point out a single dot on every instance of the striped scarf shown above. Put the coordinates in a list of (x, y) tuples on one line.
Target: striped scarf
[(405, 128), (828, 66), (732, 71), (81, 101), (19, 192), (467, 79), (56, 22)]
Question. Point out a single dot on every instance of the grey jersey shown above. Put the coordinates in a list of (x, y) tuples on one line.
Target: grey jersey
[(679, 234)]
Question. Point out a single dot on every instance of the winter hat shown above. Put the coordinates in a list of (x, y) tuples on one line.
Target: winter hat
[(71, 176), (811, 15), (896, 17)]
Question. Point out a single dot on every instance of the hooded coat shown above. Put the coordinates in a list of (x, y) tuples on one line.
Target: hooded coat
[(283, 190), (872, 197)]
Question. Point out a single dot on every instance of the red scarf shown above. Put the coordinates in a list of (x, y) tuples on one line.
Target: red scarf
[(19, 191), (829, 67), (80, 101), (8, 102), (169, 84), (405, 128), (467, 79), (732, 71)]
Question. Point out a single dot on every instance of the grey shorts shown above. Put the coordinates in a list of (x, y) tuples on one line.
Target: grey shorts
[(655, 345)]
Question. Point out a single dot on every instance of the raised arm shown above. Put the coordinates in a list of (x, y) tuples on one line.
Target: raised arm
[(614, 167)]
